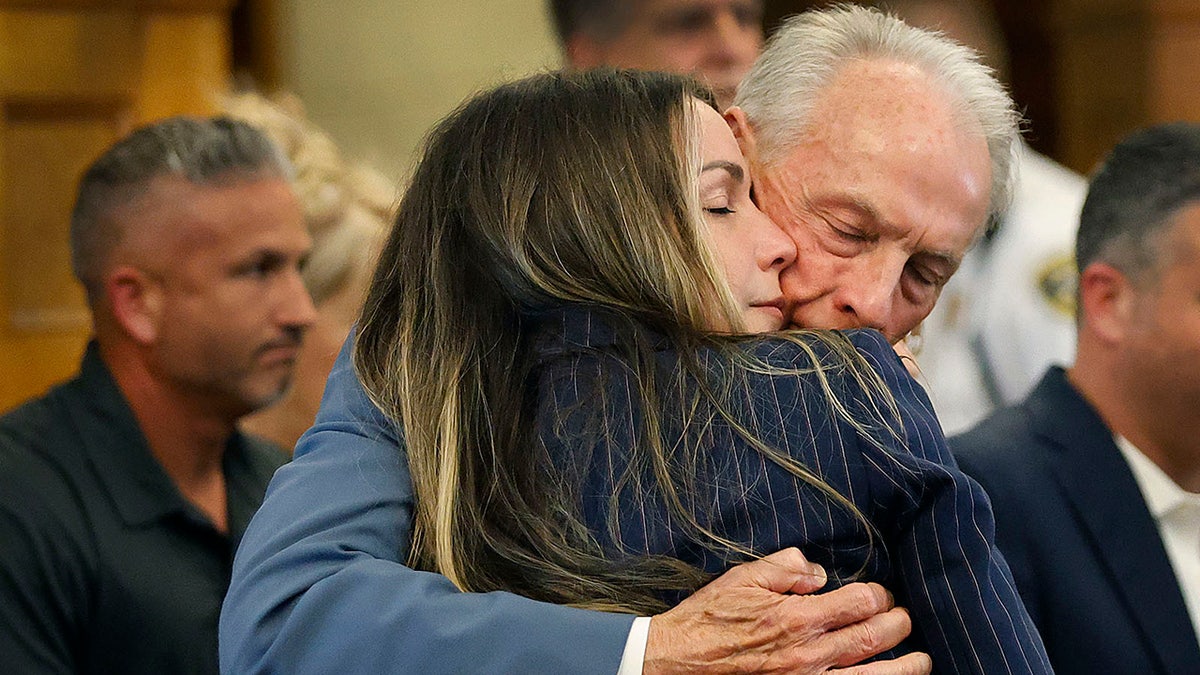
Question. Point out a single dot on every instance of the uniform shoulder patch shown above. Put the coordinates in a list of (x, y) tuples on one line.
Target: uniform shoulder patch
[(1056, 280)]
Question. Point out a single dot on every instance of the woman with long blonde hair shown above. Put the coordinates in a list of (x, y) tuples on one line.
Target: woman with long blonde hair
[(574, 333)]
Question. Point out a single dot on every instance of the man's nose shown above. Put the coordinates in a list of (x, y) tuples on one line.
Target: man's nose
[(776, 250), (296, 308), (868, 300), (732, 42)]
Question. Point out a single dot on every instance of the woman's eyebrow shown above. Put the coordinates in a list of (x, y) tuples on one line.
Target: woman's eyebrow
[(735, 171)]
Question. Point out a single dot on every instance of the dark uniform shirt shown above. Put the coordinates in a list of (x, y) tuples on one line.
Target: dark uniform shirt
[(104, 566)]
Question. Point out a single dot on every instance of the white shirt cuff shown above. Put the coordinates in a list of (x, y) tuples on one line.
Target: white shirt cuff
[(635, 647)]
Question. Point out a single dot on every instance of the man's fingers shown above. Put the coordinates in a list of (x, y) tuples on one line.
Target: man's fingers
[(917, 663), (851, 644), (849, 605), (786, 571), (844, 647), (756, 618)]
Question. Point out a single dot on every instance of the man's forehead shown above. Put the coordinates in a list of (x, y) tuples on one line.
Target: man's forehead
[(648, 9), (236, 207), (1181, 234), (871, 102), (171, 190), (881, 129)]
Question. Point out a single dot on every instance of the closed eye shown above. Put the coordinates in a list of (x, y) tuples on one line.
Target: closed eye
[(924, 278), (927, 277), (720, 210), (261, 265), (851, 234)]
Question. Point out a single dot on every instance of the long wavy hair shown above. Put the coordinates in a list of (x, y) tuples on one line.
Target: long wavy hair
[(563, 189)]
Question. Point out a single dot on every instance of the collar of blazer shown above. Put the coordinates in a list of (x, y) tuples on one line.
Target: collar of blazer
[(1099, 485)]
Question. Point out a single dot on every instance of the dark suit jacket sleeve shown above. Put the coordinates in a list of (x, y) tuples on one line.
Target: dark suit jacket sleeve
[(950, 574), (319, 585), (1006, 487)]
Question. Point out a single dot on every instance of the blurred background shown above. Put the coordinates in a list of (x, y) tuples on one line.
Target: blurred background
[(376, 74)]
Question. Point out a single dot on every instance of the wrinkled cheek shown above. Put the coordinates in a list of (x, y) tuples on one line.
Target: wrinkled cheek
[(789, 285), (805, 306), (907, 323), (801, 283)]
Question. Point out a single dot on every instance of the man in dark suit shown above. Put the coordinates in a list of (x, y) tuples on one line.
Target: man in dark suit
[(1095, 477)]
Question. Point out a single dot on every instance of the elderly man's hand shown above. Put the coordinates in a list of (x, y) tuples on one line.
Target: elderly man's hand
[(755, 619)]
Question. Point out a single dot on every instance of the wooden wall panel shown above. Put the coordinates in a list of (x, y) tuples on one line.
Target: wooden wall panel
[(1173, 87), (45, 320), (60, 54), (185, 65), (42, 295), (1101, 87)]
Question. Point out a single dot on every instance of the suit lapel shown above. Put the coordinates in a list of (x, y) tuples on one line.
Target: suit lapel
[(1098, 483)]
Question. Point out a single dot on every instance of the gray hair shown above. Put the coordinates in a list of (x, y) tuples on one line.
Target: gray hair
[(1134, 197), (201, 151), (809, 49)]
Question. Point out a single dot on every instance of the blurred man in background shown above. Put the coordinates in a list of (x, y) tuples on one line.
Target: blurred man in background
[(715, 40), (348, 209), (124, 492), (1095, 477)]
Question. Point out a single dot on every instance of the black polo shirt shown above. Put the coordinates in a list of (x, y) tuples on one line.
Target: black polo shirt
[(104, 566)]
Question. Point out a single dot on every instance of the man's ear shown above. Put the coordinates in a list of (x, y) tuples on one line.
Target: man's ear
[(137, 302), (584, 52), (1106, 301), (735, 117)]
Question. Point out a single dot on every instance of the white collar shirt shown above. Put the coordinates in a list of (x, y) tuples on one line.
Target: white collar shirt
[(1177, 514)]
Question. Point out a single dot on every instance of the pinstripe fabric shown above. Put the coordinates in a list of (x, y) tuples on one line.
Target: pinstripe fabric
[(935, 550)]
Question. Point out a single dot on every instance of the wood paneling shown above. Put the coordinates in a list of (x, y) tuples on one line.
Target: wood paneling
[(256, 44), (42, 295), (1101, 84), (1123, 64), (74, 76), (1173, 87)]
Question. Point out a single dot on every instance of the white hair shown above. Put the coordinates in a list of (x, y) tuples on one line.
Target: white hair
[(809, 49)]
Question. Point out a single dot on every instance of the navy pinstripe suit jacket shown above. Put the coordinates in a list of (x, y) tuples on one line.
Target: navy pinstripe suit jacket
[(936, 548)]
